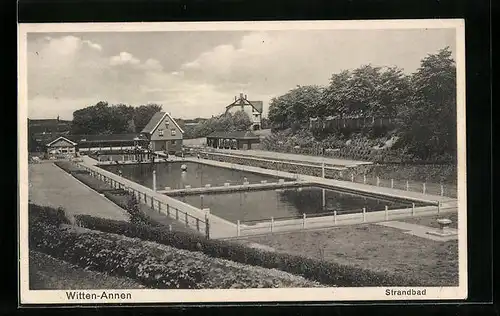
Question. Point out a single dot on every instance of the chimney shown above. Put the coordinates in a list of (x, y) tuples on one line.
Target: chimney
[(245, 96), (241, 95)]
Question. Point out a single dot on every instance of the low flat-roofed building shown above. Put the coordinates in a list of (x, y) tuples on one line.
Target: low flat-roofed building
[(233, 140)]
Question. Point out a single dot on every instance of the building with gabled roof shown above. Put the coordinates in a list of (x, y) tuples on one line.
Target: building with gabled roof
[(163, 133), (253, 109), (233, 140)]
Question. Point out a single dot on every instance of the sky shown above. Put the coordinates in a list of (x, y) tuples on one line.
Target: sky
[(197, 73)]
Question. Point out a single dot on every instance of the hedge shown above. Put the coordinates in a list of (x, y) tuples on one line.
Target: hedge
[(325, 272), (47, 214), (153, 265)]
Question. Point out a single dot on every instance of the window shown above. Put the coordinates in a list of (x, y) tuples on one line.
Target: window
[(173, 142), (160, 132), (173, 132), (166, 124)]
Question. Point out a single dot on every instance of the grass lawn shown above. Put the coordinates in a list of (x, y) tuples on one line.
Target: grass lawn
[(48, 273), (374, 247), (431, 221)]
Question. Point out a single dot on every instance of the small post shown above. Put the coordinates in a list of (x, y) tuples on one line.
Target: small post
[(169, 227), (423, 188), (145, 198), (159, 207), (386, 212), (392, 183), (187, 221), (412, 209), (407, 186), (168, 211), (352, 177), (152, 203), (176, 214), (364, 214), (378, 181), (201, 201), (272, 224), (197, 224), (335, 217), (304, 220), (154, 180), (439, 207), (442, 190), (238, 228), (323, 169), (364, 179)]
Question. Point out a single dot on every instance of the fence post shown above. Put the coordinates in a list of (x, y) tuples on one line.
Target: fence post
[(407, 186), (207, 224), (238, 228), (169, 227), (304, 220), (197, 224), (323, 170), (352, 177), (335, 217), (378, 181), (412, 209), (145, 200), (152, 205), (187, 221), (386, 212), (392, 183), (168, 211), (442, 190), (364, 179), (159, 207), (423, 188), (439, 207), (154, 180), (176, 214), (272, 224), (364, 214)]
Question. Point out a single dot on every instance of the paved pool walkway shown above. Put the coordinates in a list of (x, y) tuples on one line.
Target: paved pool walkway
[(420, 230), (51, 186), (293, 157)]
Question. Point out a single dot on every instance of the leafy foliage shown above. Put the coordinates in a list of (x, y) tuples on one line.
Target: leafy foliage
[(228, 122), (103, 118), (423, 104)]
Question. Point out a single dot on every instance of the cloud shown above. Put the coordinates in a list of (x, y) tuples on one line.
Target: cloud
[(123, 58), (93, 45)]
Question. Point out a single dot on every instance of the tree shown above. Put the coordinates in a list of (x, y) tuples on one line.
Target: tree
[(143, 115), (240, 121), (430, 116)]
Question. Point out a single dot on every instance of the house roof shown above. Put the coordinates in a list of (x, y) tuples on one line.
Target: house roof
[(155, 121), (79, 139), (236, 135), (256, 105), (61, 138)]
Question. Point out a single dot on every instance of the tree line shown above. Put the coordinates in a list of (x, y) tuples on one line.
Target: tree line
[(103, 118), (227, 122), (423, 103)]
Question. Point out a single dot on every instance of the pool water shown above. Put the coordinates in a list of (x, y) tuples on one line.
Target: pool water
[(264, 204), (169, 174)]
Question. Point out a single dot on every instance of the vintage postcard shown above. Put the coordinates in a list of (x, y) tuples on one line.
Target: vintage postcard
[(319, 161)]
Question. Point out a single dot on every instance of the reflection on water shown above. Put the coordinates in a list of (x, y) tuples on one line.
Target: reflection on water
[(197, 175), (260, 205)]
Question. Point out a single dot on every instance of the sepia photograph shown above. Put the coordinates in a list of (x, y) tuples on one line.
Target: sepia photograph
[(242, 162)]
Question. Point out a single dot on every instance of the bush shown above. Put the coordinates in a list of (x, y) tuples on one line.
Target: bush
[(321, 271), (93, 183), (47, 214), (155, 266)]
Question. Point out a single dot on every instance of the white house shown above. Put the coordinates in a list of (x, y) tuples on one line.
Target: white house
[(252, 108)]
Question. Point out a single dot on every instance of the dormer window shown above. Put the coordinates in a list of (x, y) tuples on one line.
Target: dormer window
[(173, 132), (167, 123), (160, 132)]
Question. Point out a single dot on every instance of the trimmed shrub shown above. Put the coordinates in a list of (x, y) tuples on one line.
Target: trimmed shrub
[(93, 183), (47, 214), (330, 273), (154, 265)]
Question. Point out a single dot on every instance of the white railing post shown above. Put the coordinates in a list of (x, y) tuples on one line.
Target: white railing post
[(378, 181), (439, 207), (335, 217), (412, 209), (364, 214), (386, 212), (407, 186), (352, 177), (238, 228), (392, 183), (323, 170), (272, 224), (442, 190), (304, 220), (364, 179), (423, 188)]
